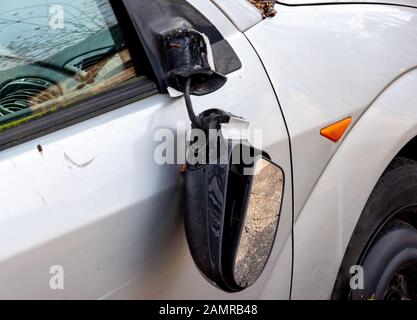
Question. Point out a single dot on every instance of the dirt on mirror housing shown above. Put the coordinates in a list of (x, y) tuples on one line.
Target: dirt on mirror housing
[(265, 6)]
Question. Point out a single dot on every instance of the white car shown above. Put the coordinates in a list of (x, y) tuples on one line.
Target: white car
[(91, 208)]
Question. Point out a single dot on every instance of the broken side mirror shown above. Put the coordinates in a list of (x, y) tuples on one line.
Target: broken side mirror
[(232, 210), (188, 55), (233, 191)]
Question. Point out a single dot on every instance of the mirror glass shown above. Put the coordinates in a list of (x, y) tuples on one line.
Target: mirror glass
[(260, 223)]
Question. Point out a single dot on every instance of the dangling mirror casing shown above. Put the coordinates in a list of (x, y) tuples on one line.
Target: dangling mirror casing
[(229, 236)]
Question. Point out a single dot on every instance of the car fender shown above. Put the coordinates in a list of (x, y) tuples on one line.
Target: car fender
[(326, 223)]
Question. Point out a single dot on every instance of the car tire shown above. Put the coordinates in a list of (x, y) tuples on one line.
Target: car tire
[(393, 198), (390, 266)]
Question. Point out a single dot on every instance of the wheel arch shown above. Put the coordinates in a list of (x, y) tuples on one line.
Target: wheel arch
[(408, 154), (371, 224)]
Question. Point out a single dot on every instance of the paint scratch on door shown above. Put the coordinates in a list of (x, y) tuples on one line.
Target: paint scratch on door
[(78, 165)]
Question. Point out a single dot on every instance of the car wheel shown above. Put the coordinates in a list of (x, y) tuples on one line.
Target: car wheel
[(384, 242), (390, 266)]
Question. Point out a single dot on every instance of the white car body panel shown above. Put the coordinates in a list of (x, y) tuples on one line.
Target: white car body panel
[(341, 193), (307, 64), (327, 63), (242, 14), (95, 202), (394, 2)]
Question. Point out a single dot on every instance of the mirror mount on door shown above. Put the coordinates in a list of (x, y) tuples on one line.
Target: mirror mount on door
[(153, 19), (231, 216), (190, 67), (188, 56)]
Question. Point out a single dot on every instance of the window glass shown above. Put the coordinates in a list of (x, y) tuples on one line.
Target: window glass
[(55, 53)]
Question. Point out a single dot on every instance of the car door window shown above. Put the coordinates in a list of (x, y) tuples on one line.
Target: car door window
[(53, 54)]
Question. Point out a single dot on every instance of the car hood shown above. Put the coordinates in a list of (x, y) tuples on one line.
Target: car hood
[(412, 3)]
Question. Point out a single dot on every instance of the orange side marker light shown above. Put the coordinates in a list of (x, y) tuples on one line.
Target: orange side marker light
[(336, 130)]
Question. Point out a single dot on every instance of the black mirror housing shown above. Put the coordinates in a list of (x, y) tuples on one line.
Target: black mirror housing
[(208, 227), (188, 54), (216, 201)]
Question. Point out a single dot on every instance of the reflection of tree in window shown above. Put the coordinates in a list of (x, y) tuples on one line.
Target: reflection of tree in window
[(39, 40), (86, 57)]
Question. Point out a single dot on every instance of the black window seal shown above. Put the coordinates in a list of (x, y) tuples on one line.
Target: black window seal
[(117, 97), (78, 112)]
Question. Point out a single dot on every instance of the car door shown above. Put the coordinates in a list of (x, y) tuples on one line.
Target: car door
[(87, 209)]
